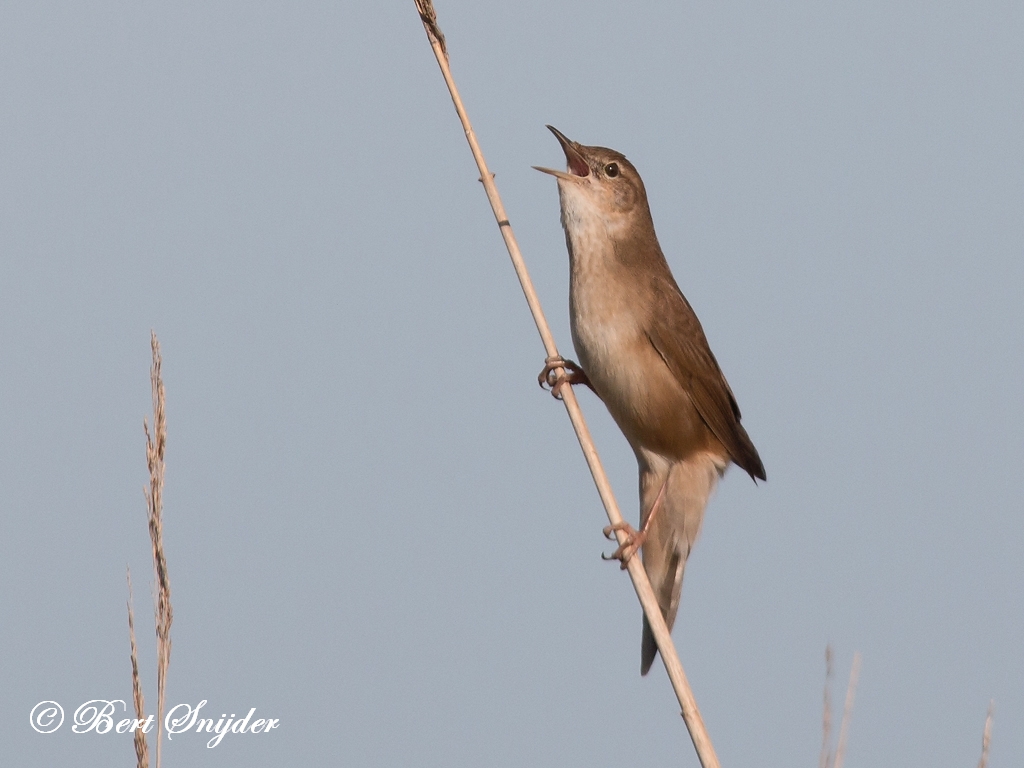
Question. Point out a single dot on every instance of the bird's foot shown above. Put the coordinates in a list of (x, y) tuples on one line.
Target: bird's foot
[(634, 540), (571, 374)]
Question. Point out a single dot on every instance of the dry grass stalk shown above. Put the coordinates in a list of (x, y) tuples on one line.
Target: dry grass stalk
[(828, 759), (844, 728), (690, 712), (986, 736), (155, 445), (141, 747), (826, 721)]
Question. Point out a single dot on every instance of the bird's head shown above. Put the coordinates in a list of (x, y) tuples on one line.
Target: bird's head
[(598, 183)]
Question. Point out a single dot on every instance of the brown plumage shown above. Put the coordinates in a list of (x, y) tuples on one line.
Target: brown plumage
[(643, 351)]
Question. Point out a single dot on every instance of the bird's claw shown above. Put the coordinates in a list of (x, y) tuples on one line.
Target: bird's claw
[(634, 540), (549, 378)]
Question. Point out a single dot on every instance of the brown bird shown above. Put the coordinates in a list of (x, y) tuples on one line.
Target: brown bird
[(644, 353)]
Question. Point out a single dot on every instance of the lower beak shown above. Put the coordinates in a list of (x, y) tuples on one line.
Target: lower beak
[(557, 174)]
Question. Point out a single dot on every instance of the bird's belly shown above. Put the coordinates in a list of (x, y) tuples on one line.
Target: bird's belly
[(650, 406)]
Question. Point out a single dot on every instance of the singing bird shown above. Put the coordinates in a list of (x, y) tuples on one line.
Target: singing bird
[(642, 350)]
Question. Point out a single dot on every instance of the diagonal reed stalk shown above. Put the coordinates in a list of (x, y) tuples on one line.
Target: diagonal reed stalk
[(690, 712), (155, 445), (141, 747)]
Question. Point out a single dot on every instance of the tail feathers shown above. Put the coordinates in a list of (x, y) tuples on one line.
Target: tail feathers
[(648, 649), (667, 589), (672, 530)]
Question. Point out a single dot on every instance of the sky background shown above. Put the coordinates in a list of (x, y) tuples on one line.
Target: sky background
[(379, 530)]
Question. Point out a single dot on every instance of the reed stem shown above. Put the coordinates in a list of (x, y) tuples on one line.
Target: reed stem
[(687, 702)]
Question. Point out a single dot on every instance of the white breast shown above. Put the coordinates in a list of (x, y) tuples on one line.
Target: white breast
[(605, 318)]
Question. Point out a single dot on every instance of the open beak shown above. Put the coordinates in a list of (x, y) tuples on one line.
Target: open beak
[(575, 161)]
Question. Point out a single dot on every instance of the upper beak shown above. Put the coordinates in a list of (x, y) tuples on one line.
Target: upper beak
[(574, 159)]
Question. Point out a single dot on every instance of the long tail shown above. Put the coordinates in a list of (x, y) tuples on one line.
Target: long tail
[(672, 531)]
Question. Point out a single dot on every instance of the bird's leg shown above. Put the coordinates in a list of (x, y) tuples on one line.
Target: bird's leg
[(573, 374), (634, 539)]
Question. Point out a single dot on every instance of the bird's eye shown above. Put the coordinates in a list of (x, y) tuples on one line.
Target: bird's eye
[(611, 170)]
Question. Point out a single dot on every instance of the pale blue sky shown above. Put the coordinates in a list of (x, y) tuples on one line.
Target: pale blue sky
[(379, 529)]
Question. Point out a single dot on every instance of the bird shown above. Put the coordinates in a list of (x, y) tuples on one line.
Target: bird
[(643, 351)]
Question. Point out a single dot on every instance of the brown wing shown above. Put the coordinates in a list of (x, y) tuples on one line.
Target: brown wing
[(677, 336)]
